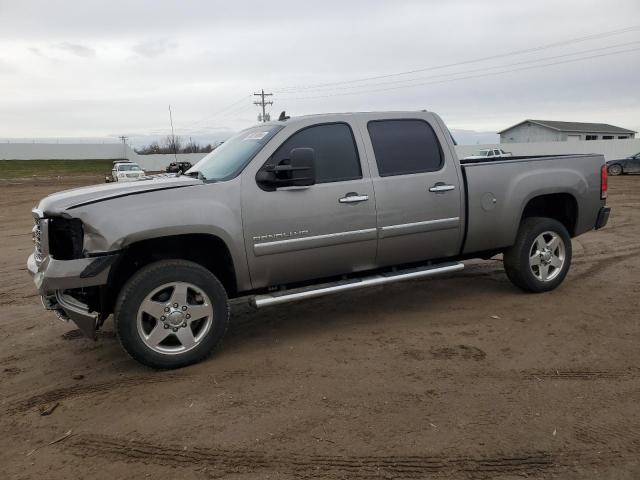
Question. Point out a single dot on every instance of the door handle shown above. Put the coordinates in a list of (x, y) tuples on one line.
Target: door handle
[(353, 198), (441, 187)]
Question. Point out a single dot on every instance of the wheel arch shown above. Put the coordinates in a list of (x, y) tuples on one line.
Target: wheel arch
[(562, 207), (207, 250)]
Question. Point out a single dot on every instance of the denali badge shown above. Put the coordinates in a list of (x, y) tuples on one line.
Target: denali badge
[(280, 236)]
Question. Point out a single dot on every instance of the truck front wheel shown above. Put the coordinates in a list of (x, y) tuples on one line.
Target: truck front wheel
[(540, 258), (171, 313)]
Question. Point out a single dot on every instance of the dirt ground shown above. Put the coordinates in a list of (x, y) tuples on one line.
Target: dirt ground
[(456, 377)]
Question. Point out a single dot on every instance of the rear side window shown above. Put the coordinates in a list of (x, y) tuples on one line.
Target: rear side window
[(336, 153), (404, 146)]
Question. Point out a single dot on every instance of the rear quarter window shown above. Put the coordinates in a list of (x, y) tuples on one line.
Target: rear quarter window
[(404, 147)]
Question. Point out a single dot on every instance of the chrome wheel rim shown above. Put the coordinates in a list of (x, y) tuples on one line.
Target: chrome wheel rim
[(174, 318), (547, 256)]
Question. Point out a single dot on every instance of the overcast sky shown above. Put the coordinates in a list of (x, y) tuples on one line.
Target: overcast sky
[(107, 68)]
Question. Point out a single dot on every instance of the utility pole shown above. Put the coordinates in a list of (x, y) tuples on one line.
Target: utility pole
[(124, 146), (262, 103)]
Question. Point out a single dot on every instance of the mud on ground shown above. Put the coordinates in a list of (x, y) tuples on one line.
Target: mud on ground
[(457, 377)]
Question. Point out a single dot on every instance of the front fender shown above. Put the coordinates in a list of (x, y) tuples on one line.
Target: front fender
[(213, 209)]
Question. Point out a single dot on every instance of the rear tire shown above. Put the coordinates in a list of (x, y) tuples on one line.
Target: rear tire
[(171, 313), (541, 256), (615, 170)]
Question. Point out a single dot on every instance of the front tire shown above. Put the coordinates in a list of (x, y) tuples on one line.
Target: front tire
[(171, 313), (615, 170), (541, 256)]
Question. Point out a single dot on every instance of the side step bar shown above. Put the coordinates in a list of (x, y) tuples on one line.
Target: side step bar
[(294, 295)]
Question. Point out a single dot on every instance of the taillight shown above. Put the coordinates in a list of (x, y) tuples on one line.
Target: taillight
[(603, 182)]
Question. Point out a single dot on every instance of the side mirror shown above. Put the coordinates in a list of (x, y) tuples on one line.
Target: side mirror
[(296, 171)]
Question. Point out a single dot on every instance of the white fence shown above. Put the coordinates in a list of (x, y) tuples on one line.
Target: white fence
[(64, 151), (90, 151), (611, 149)]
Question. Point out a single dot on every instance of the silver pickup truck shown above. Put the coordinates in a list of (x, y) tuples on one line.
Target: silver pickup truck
[(298, 208)]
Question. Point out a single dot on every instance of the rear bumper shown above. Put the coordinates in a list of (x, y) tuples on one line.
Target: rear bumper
[(603, 217)]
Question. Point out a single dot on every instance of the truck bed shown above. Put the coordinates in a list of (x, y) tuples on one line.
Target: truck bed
[(498, 191)]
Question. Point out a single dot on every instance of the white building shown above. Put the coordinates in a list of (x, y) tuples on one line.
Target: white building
[(553, 131)]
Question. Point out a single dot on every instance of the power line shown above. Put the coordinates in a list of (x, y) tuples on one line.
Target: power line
[(292, 89), (450, 74), (465, 78), (216, 113), (262, 103), (233, 113)]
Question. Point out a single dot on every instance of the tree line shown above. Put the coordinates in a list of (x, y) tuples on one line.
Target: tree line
[(175, 144)]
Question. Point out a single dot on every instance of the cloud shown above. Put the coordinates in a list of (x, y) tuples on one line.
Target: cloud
[(222, 52), (76, 49), (6, 67), (153, 48), (36, 51)]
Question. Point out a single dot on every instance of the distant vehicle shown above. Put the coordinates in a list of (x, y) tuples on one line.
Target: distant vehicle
[(175, 167), (630, 164), (300, 208), (126, 172), (488, 153)]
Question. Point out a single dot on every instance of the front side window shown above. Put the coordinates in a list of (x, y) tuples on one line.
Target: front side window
[(230, 158), (404, 147), (336, 153)]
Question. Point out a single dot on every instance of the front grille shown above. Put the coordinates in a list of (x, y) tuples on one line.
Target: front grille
[(132, 175)]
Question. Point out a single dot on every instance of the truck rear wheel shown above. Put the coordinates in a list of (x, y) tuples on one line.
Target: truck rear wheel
[(541, 256), (171, 313)]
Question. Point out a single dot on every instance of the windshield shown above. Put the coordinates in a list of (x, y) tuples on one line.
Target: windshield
[(228, 160), (128, 168), (483, 153)]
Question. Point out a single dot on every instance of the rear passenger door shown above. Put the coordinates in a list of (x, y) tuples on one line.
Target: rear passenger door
[(418, 197)]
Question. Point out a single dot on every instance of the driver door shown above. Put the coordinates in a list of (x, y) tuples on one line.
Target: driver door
[(301, 233)]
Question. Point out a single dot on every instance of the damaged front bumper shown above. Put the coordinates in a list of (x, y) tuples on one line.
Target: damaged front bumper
[(54, 278), (68, 308)]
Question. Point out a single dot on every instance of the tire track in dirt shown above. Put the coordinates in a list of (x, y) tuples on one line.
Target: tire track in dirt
[(576, 374), (63, 393), (73, 391), (604, 262), (228, 461), (600, 434)]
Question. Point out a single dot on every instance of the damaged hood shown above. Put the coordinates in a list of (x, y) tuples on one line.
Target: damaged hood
[(68, 199)]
